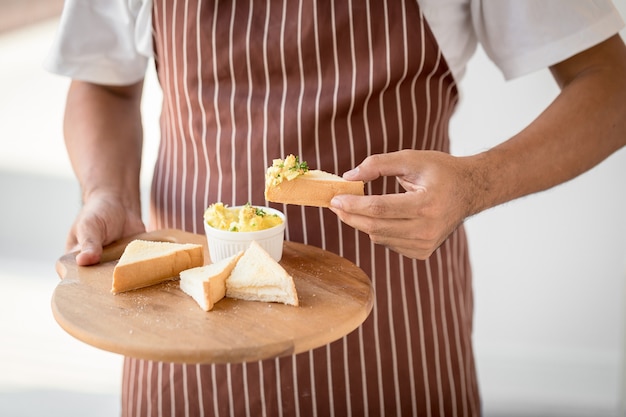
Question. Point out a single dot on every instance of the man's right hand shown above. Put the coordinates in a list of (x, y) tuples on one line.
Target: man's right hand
[(103, 219)]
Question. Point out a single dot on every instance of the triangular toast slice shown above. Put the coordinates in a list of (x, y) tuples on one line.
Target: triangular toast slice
[(207, 284), (258, 277), (146, 263)]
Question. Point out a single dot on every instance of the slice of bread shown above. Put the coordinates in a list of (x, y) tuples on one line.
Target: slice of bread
[(207, 284), (313, 188), (146, 263), (258, 277)]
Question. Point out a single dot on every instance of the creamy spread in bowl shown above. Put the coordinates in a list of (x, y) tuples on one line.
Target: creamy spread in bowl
[(230, 230), (245, 218)]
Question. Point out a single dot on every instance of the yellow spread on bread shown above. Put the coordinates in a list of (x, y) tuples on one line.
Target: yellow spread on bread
[(284, 169)]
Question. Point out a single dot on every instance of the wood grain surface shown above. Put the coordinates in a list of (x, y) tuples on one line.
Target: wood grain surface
[(162, 323)]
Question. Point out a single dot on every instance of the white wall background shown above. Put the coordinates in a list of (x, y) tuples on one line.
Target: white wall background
[(549, 269)]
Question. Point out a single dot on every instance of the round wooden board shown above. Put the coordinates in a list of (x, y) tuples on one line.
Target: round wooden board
[(164, 324)]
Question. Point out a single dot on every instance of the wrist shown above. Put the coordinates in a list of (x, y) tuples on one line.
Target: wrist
[(484, 174), (128, 199)]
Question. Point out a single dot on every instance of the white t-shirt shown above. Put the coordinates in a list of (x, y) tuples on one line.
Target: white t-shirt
[(110, 41)]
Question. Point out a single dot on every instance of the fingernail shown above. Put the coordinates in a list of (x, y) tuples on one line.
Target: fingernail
[(335, 202), (351, 173)]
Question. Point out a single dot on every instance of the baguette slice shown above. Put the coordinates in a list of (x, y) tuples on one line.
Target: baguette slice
[(258, 277), (313, 188), (207, 284), (146, 263)]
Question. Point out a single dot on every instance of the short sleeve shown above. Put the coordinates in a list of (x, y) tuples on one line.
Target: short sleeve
[(524, 36), (102, 41)]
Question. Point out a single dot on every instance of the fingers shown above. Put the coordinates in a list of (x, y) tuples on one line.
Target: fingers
[(393, 220), (416, 238), (416, 249), (375, 166), (388, 206), (71, 244)]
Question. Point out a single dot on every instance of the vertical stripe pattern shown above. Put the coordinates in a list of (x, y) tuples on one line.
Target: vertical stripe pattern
[(332, 81)]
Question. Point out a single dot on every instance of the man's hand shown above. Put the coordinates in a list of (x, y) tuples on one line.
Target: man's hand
[(101, 221), (438, 197), (584, 125)]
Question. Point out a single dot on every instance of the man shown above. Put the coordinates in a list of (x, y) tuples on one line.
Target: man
[(362, 88)]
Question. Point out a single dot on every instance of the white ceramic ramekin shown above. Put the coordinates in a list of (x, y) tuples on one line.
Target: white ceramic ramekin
[(223, 243)]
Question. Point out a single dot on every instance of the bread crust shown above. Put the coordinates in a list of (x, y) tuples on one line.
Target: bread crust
[(314, 188)]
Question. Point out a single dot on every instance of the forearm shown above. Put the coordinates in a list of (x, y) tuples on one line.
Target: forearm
[(103, 136), (584, 125)]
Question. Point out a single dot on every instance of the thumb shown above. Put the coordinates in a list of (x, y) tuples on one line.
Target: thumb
[(89, 244), (90, 254)]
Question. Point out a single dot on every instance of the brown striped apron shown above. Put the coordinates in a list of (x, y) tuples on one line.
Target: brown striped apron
[(245, 82)]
